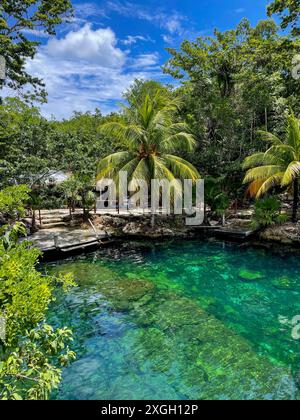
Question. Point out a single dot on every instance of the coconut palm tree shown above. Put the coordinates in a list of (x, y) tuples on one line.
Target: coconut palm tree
[(152, 140), (278, 166)]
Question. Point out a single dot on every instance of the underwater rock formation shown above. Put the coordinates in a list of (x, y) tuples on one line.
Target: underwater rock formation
[(191, 330), (221, 363), (248, 275)]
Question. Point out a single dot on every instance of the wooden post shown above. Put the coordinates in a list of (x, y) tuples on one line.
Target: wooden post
[(94, 229)]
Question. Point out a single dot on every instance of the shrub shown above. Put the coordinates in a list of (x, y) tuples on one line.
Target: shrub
[(268, 213)]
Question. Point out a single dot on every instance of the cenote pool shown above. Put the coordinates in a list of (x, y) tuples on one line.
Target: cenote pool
[(181, 320)]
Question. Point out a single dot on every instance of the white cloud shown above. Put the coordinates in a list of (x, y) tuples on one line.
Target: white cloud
[(85, 70), (85, 10), (146, 60), (85, 44), (168, 39), (35, 32), (171, 21), (131, 40), (174, 24)]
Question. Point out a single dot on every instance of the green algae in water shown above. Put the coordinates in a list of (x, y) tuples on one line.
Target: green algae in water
[(248, 275), (179, 322)]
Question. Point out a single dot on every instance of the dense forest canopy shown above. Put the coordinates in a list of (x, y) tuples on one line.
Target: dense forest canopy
[(232, 84)]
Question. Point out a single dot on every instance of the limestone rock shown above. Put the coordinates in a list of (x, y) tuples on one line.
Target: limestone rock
[(248, 275)]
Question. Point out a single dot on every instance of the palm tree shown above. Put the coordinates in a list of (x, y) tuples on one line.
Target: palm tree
[(278, 166), (152, 138)]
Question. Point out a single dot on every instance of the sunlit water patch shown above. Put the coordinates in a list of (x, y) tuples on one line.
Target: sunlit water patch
[(181, 320)]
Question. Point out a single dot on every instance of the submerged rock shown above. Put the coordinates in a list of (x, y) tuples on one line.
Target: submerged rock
[(248, 275), (221, 364), (86, 273), (125, 294), (285, 283), (172, 340)]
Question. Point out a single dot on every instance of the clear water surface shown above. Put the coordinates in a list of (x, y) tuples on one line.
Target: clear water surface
[(181, 320)]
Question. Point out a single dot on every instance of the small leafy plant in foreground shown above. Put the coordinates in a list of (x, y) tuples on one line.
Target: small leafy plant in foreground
[(32, 353)]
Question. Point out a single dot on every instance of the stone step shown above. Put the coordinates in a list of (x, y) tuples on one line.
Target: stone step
[(50, 215), (53, 220), (54, 225), (55, 212)]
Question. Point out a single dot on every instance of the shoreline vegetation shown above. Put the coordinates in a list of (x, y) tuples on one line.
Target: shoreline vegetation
[(231, 118)]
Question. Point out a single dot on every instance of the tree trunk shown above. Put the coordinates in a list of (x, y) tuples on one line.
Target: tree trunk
[(223, 219), (295, 202), (33, 222), (83, 205), (206, 221)]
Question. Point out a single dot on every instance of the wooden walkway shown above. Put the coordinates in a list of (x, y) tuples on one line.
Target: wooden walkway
[(60, 242)]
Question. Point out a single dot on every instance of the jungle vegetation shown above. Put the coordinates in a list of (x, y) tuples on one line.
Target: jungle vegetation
[(233, 120)]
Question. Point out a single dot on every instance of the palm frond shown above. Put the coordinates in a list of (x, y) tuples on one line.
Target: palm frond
[(262, 173), (126, 133), (112, 164), (269, 183), (258, 159), (254, 187), (293, 133), (281, 153), (130, 166), (269, 137), (141, 173), (179, 142), (292, 172), (179, 128), (181, 168), (161, 171)]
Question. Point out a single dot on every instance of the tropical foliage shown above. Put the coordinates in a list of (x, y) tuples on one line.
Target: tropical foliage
[(235, 83), (279, 166), (267, 212), (216, 197), (289, 10), (31, 352), (12, 201), (152, 138), (17, 19)]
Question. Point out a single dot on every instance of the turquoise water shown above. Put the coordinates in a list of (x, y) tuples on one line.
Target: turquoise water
[(181, 320)]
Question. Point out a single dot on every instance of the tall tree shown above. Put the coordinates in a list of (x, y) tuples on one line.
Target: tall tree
[(152, 138), (137, 92), (278, 166), (289, 10), (234, 83), (26, 153), (19, 19)]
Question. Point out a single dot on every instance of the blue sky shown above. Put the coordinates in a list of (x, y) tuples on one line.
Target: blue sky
[(96, 57)]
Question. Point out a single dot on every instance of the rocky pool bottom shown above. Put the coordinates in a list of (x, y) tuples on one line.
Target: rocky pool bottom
[(181, 320)]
